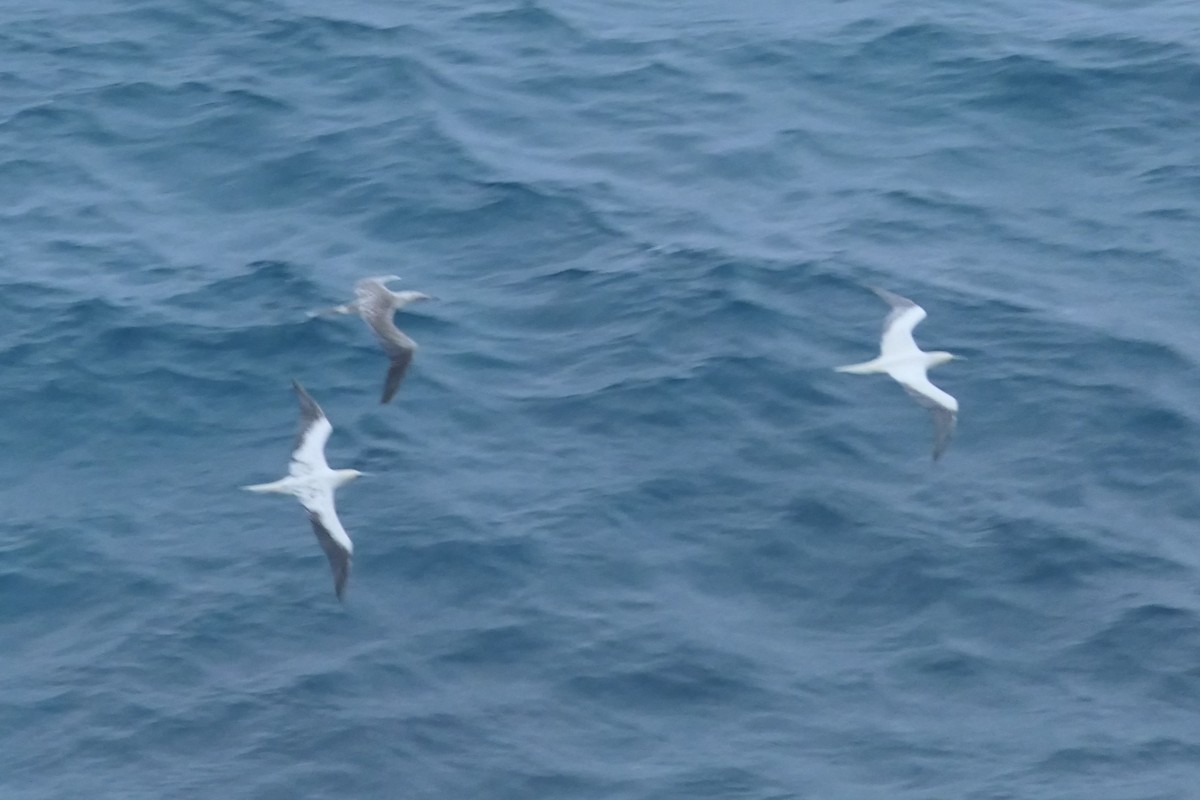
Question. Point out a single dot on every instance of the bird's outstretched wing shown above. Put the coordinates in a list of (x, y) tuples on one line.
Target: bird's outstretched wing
[(309, 453), (400, 357), (372, 290), (377, 309), (897, 338), (331, 535), (941, 405)]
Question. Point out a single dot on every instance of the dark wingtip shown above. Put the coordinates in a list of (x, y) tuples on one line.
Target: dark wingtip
[(309, 410), (340, 580), (891, 298), (395, 374), (939, 448)]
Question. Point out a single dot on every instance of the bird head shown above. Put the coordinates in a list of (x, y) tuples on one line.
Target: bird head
[(942, 357), (347, 475), (404, 298)]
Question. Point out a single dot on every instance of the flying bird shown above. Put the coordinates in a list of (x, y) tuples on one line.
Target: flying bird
[(900, 358), (312, 481), (376, 304)]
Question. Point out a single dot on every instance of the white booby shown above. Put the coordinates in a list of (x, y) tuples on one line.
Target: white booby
[(900, 358)]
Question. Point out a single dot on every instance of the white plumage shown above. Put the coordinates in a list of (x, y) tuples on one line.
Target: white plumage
[(312, 481), (908, 364)]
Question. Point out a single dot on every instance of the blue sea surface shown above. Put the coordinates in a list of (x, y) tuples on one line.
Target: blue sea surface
[(626, 535)]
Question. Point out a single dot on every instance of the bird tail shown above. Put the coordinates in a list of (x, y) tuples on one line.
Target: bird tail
[(280, 486), (345, 308), (865, 368)]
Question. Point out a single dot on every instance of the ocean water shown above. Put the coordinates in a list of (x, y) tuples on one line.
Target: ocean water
[(627, 535)]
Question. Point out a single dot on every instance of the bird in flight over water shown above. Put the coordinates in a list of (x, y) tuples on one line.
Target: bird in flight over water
[(900, 358), (311, 480), (376, 304)]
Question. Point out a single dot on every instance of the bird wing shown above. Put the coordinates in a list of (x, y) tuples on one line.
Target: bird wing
[(309, 453), (897, 339), (395, 373), (941, 405), (378, 313), (370, 290), (331, 535), (377, 309)]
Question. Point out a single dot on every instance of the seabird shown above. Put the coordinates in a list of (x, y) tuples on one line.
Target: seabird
[(900, 357), (376, 304), (312, 481)]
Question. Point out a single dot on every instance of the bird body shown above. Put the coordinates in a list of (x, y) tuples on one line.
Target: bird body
[(311, 480), (908, 365), (377, 305)]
